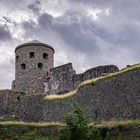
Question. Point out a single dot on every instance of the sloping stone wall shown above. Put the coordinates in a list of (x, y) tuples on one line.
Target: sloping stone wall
[(64, 79), (115, 98)]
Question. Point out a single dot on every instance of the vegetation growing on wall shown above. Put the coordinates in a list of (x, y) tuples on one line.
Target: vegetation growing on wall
[(109, 76), (11, 91), (92, 82), (61, 97)]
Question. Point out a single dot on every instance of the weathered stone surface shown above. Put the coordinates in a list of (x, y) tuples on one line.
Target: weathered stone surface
[(30, 78), (116, 98), (10, 102), (64, 79)]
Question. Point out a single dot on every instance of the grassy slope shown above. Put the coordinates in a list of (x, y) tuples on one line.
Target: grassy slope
[(92, 82), (51, 131)]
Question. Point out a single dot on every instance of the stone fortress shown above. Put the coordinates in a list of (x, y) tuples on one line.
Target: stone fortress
[(35, 71), (41, 92)]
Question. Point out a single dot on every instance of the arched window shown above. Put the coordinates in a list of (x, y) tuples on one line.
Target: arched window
[(31, 54), (17, 57), (23, 66), (45, 55), (40, 65)]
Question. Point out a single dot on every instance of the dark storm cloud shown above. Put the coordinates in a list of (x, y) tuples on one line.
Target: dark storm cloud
[(119, 29), (46, 21), (35, 7), (121, 26), (70, 29), (4, 33)]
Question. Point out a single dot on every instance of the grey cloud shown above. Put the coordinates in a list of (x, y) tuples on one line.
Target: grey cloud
[(69, 28), (4, 33), (45, 20), (80, 32), (35, 7), (85, 42)]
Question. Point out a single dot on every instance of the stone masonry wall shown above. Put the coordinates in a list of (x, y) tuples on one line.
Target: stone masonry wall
[(64, 79), (116, 98), (93, 73), (10, 102), (61, 79), (31, 79)]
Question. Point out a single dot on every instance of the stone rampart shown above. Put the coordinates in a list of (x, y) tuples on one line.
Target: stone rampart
[(64, 79), (115, 97), (10, 102)]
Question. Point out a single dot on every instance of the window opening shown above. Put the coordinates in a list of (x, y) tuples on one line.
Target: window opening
[(45, 55), (40, 65), (31, 54), (23, 66)]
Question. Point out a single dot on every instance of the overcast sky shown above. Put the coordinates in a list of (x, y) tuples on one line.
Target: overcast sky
[(87, 33)]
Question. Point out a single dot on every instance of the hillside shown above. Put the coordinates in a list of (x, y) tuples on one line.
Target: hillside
[(113, 130)]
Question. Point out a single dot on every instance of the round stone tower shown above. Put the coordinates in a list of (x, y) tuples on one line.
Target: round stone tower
[(33, 61)]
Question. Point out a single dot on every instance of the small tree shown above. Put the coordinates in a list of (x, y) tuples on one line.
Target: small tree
[(77, 123)]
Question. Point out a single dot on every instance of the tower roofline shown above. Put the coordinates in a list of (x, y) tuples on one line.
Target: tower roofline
[(33, 43)]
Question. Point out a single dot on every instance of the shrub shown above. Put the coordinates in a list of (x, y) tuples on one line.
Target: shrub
[(77, 123)]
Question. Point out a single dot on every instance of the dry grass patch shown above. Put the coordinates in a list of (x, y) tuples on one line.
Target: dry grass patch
[(61, 97), (92, 82), (11, 91), (115, 123), (33, 124), (109, 76)]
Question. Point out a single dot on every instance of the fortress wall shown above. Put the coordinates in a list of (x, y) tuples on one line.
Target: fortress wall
[(61, 79), (115, 98), (30, 86), (31, 108), (106, 100), (93, 73), (9, 102), (77, 79)]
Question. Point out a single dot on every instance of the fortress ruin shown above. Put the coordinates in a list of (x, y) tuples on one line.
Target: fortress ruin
[(42, 92), (35, 71)]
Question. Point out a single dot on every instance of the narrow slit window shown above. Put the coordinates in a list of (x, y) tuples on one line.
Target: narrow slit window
[(47, 74), (23, 66), (40, 65), (45, 55), (31, 54), (17, 57)]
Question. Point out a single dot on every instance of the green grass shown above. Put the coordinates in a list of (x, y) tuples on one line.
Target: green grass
[(29, 131), (115, 124), (8, 118), (52, 131)]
